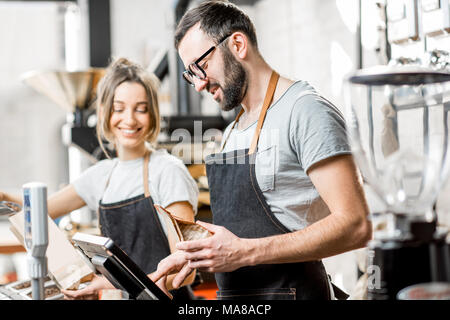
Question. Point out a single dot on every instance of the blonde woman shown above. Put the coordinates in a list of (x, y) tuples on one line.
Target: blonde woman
[(123, 189)]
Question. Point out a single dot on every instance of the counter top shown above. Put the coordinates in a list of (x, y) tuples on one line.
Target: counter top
[(8, 241)]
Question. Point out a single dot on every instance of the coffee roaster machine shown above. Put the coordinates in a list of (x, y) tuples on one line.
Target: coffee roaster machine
[(74, 91)]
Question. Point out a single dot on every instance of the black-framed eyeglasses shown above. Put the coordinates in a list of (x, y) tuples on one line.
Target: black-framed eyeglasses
[(195, 70)]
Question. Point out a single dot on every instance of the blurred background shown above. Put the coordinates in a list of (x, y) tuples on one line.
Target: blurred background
[(46, 134)]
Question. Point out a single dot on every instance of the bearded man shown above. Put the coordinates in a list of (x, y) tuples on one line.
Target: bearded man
[(284, 189)]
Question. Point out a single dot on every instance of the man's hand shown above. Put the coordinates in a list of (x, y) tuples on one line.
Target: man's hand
[(90, 292), (222, 252)]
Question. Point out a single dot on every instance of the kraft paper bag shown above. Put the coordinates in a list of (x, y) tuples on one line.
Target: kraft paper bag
[(65, 264), (181, 230)]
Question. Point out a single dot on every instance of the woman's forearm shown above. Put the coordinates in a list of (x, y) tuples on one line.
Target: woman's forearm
[(60, 203), (64, 201), (11, 197)]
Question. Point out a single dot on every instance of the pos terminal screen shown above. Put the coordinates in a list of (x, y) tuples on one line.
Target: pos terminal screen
[(111, 261)]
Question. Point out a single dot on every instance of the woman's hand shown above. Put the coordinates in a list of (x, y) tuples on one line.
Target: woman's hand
[(161, 283), (90, 292), (175, 263)]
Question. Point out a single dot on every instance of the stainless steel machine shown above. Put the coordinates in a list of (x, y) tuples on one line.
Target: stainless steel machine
[(398, 126), (36, 235), (39, 286), (74, 91)]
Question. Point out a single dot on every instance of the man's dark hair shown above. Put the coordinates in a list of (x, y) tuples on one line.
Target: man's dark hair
[(217, 19)]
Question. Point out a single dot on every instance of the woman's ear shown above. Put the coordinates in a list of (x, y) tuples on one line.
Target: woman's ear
[(239, 44)]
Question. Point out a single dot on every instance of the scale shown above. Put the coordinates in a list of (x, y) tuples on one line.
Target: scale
[(36, 235)]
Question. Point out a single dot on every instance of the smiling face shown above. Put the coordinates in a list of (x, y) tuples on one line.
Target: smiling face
[(226, 78), (130, 119)]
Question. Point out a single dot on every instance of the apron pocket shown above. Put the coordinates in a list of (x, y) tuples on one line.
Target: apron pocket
[(258, 294), (265, 168)]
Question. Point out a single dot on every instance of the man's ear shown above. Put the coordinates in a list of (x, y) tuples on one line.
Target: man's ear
[(239, 44)]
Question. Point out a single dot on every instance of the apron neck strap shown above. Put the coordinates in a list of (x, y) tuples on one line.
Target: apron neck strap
[(144, 169), (145, 173), (262, 116), (266, 104)]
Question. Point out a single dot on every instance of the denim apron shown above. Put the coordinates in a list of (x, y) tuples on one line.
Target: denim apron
[(133, 224), (238, 204)]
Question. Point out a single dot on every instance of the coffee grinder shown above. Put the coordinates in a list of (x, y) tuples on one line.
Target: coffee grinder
[(397, 122)]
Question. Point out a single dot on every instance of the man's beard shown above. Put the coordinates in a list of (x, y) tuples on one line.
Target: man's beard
[(236, 82)]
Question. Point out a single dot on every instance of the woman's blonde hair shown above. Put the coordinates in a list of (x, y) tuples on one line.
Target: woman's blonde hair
[(120, 71)]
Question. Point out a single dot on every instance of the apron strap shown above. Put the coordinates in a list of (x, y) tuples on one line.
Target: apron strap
[(266, 104), (145, 169), (262, 116)]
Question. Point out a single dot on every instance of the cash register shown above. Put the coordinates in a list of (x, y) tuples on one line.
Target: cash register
[(112, 262)]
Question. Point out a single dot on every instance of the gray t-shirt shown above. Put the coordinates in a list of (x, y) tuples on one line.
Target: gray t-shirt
[(301, 128), (169, 181)]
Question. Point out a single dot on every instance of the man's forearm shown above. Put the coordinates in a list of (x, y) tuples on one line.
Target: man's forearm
[(58, 204), (345, 228), (225, 252), (327, 237)]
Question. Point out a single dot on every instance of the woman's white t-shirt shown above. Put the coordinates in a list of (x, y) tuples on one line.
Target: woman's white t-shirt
[(169, 181)]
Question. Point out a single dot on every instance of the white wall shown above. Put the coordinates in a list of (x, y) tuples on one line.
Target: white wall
[(309, 40), (30, 143), (139, 28)]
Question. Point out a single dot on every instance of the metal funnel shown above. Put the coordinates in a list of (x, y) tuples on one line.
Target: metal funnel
[(70, 90)]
